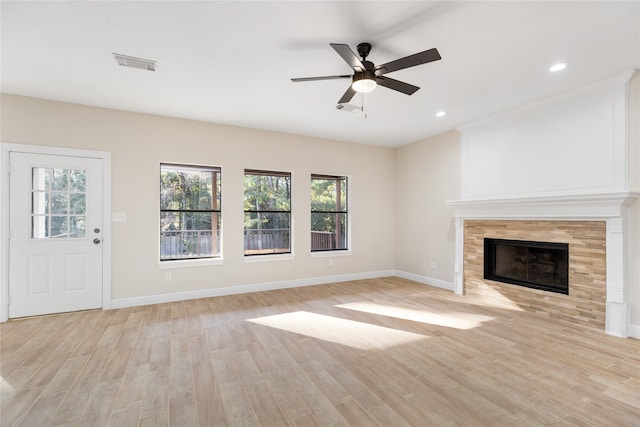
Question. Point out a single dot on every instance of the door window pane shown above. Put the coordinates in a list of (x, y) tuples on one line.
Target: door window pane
[(58, 203), (78, 204), (77, 181), (60, 180)]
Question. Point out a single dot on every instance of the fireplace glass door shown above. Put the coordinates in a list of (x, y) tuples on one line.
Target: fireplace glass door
[(538, 265)]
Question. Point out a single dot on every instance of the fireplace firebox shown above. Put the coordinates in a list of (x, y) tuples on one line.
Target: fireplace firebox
[(537, 265)]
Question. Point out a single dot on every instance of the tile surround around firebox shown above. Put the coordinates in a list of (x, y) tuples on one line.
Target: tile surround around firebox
[(586, 302)]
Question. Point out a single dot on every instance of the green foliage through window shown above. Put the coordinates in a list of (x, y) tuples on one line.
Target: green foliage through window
[(189, 212), (267, 208), (328, 213)]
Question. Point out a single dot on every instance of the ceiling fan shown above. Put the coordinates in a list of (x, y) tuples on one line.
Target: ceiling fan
[(367, 75)]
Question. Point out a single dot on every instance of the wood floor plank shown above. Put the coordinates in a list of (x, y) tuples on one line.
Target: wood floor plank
[(304, 421), (387, 417), (288, 399), (48, 370), (204, 380), (211, 413), (158, 420), (99, 408), (183, 409), (75, 401), (15, 409), (264, 406), (42, 410), (132, 386), (128, 416), (331, 388), (156, 394), (237, 408), (354, 414), (470, 361), (65, 376)]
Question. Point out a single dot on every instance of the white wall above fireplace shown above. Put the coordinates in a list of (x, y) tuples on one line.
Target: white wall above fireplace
[(572, 144)]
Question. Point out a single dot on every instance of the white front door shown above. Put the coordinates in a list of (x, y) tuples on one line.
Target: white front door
[(55, 246)]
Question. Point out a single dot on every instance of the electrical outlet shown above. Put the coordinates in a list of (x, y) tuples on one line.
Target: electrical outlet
[(168, 277), (433, 265), (330, 263)]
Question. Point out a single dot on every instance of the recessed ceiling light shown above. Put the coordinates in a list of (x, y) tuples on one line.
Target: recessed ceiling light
[(558, 67), (441, 113)]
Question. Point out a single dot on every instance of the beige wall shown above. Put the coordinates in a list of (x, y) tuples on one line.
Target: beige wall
[(139, 142), (427, 175)]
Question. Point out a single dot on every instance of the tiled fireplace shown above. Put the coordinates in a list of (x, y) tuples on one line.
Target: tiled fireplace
[(586, 299), (592, 226)]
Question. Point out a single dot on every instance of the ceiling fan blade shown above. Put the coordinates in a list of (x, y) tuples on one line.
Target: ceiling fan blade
[(403, 87), (310, 79), (347, 95), (348, 55), (409, 61)]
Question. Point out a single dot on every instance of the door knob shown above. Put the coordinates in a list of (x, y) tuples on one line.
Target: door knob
[(96, 241)]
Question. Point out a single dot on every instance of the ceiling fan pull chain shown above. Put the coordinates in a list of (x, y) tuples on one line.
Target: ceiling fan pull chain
[(364, 95)]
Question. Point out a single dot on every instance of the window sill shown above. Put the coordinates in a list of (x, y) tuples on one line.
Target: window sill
[(188, 263), (268, 258), (330, 254)]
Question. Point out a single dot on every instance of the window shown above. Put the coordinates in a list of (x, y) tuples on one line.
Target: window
[(58, 203), (328, 213), (267, 212), (189, 212)]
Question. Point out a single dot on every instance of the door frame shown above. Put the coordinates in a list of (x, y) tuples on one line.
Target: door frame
[(5, 149)]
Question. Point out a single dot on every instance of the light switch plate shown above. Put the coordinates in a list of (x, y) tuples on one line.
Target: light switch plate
[(118, 216)]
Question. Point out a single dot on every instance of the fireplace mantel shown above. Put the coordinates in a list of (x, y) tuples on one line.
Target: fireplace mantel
[(580, 206), (608, 207)]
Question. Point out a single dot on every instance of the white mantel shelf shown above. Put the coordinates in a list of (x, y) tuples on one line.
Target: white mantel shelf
[(610, 207), (584, 206)]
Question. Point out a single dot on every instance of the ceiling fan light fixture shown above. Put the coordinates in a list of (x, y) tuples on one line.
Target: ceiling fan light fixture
[(364, 82), (364, 85)]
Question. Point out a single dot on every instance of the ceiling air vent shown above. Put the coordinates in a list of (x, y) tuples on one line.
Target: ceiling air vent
[(132, 61)]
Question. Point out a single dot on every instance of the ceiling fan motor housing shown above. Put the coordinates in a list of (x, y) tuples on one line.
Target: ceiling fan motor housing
[(364, 75), (364, 49)]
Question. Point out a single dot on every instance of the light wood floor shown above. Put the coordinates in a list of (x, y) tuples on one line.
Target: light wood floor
[(385, 352)]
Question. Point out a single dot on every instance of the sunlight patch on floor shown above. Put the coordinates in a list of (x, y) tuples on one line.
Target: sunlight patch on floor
[(340, 331), (5, 387), (485, 295), (454, 319)]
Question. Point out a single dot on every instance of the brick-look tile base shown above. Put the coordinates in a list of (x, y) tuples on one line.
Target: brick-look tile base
[(587, 267)]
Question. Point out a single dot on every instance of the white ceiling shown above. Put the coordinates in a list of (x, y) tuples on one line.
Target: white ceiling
[(231, 62)]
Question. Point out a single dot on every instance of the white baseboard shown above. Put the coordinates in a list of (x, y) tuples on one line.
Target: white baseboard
[(634, 331), (243, 289), (426, 280)]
